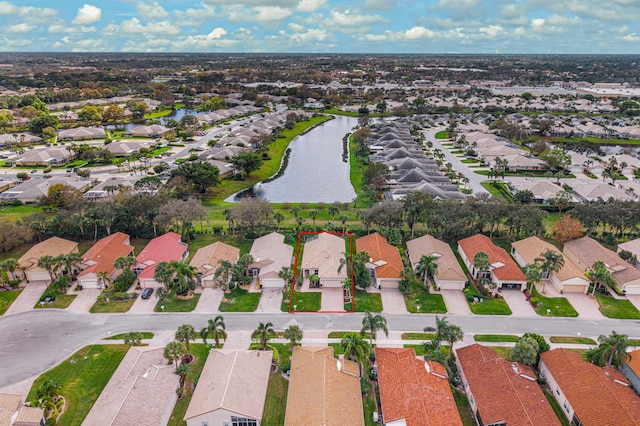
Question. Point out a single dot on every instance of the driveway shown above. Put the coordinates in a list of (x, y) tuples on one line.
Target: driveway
[(270, 300), (392, 301), (332, 300), (28, 298), (84, 300), (518, 303), (209, 302), (456, 302), (586, 306), (635, 299), (144, 306)]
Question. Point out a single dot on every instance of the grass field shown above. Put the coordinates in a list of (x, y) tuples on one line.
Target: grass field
[(502, 351), (82, 377), (200, 352), (418, 349), (365, 302), (276, 402), (617, 308), (572, 339), (341, 334), (428, 303), (495, 338), (488, 306), (304, 302), (7, 298), (556, 408), (242, 301), (442, 134), (464, 408), (171, 304), (145, 335), (62, 301), (417, 336), (113, 306), (12, 214), (552, 306)]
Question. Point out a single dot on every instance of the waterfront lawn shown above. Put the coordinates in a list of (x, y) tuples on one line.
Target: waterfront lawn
[(82, 378), (617, 308), (428, 303), (240, 300), (365, 302), (304, 302), (7, 298), (552, 306)]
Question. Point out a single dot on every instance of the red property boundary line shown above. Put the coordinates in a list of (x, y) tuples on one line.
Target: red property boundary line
[(295, 273)]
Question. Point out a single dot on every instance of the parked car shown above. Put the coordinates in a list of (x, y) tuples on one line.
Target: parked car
[(146, 293), (34, 171)]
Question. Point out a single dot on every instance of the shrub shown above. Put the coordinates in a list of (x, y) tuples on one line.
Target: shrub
[(14, 283), (124, 281), (365, 386), (285, 367)]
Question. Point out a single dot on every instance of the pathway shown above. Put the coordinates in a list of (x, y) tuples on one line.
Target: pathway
[(270, 300), (28, 298), (635, 299), (586, 306), (209, 302), (144, 306), (332, 300), (84, 300), (517, 301), (456, 302), (392, 301)]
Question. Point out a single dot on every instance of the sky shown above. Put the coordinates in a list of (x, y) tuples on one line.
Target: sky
[(319, 26)]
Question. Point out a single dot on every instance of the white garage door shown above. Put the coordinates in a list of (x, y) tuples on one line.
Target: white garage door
[(39, 276), (89, 283), (388, 283), (451, 285), (331, 283), (272, 283), (632, 289)]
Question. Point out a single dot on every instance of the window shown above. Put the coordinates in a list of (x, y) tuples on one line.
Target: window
[(558, 391), (242, 421), (205, 423), (566, 406)]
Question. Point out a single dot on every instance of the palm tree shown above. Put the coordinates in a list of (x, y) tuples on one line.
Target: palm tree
[(371, 324), (48, 262), (550, 260), (440, 331), (174, 351), (343, 219), (294, 334), (184, 276), (481, 263), (216, 329), (263, 333), (533, 274), (10, 266), (103, 278), (600, 275), (223, 274), (333, 211), (286, 274), (612, 350), (452, 333), (354, 348), (312, 215), (427, 267), (278, 217), (69, 260), (124, 262), (163, 274), (133, 338), (185, 334)]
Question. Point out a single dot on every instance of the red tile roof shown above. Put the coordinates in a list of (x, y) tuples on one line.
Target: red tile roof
[(508, 272), (105, 252), (594, 393), (164, 248), (413, 390), (503, 391), (379, 249)]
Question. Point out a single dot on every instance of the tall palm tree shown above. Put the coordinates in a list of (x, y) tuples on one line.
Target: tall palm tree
[(103, 279), (185, 334), (481, 262), (223, 274), (216, 329), (263, 333), (294, 334), (452, 333), (440, 331), (174, 351), (48, 263), (427, 267), (286, 274), (163, 274), (124, 262), (10, 266), (371, 324), (355, 348), (69, 260), (612, 350), (600, 275), (533, 274), (550, 261), (184, 276)]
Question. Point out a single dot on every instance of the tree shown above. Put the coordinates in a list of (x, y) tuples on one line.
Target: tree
[(286, 274), (6, 119), (294, 334), (90, 114), (263, 333), (481, 263), (200, 174), (533, 274), (163, 274), (181, 214), (278, 217), (549, 261), (523, 197), (184, 276), (333, 211), (371, 324), (600, 276), (133, 338), (557, 158), (215, 329), (113, 114), (354, 347), (185, 334), (174, 351), (417, 205), (252, 214), (247, 162), (567, 229), (22, 176), (312, 215), (47, 263), (543, 346), (451, 334), (563, 200), (222, 275), (377, 175), (525, 351), (427, 267), (41, 122), (124, 262), (611, 350), (440, 331)]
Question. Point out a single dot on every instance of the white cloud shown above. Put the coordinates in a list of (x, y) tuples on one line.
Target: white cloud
[(492, 31), (308, 6), (296, 28), (271, 13), (216, 34), (87, 15), (310, 36), (419, 33), (352, 18), (133, 26), (151, 10), (20, 28), (633, 37)]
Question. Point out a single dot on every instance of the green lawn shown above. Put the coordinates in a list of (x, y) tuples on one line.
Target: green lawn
[(370, 407), (171, 304), (552, 306), (617, 308), (356, 172), (82, 377), (556, 408), (304, 302), (145, 335), (495, 338), (488, 306), (276, 402), (7, 298), (417, 336), (112, 306), (572, 339), (12, 214), (337, 349), (502, 351), (464, 408), (497, 189), (419, 349), (62, 301), (341, 334), (200, 352), (371, 302), (634, 342), (240, 301), (428, 303), (442, 134)]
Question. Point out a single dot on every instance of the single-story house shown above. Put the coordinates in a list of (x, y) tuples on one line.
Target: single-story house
[(153, 131), (449, 274), (323, 390), (54, 246), (8, 139), (414, 392), (322, 256), (584, 251), (502, 392), (100, 257), (6, 184), (588, 394), (30, 191), (631, 369), (207, 259), (568, 279), (81, 133), (385, 264), (49, 157), (165, 248), (543, 191), (590, 190), (231, 390), (633, 247), (504, 272), (141, 392), (13, 412), (126, 148), (270, 254), (111, 187)]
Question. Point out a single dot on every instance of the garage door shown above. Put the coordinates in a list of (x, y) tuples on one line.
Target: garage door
[(573, 288), (451, 285), (331, 283), (89, 283), (511, 286), (389, 284), (272, 283), (632, 289), (39, 276)]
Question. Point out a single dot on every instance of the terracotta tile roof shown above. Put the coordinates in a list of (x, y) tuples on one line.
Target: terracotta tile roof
[(502, 265), (504, 391), (321, 391), (235, 381), (380, 250), (533, 247), (634, 361), (164, 248), (53, 246), (414, 390), (325, 253), (105, 252), (208, 258), (448, 267), (594, 395)]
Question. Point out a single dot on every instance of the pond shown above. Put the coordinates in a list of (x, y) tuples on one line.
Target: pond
[(176, 114), (316, 172)]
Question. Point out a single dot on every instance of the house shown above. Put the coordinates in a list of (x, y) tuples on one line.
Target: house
[(81, 133), (631, 369), (322, 256), (633, 247), (8, 139), (385, 264), (568, 279), (49, 157), (54, 246), (126, 148), (165, 248), (589, 395), (504, 272), (414, 392), (153, 131), (543, 190), (6, 184), (141, 392), (13, 412), (323, 390), (449, 274), (111, 187), (270, 254), (100, 257), (207, 259), (231, 390), (32, 190), (584, 251), (502, 392)]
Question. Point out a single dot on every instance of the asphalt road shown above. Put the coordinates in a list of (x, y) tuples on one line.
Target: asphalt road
[(35, 341)]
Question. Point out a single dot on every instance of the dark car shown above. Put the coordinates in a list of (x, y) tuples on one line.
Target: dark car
[(146, 293)]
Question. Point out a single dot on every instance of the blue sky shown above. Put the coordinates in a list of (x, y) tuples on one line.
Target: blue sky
[(350, 26)]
